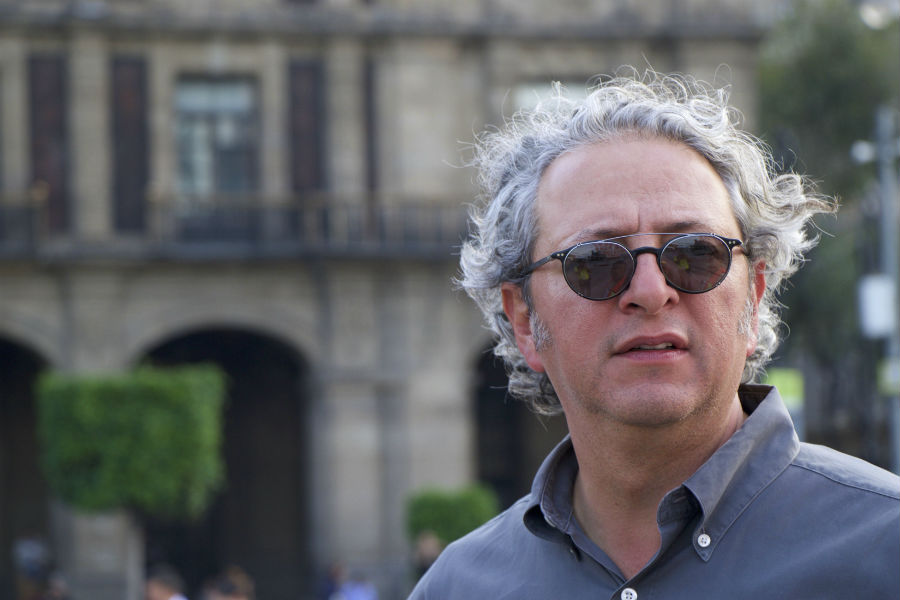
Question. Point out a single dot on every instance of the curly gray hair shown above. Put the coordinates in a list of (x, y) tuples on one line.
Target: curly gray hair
[(773, 210)]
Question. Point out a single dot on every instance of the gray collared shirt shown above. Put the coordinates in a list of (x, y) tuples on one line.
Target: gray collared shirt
[(765, 517)]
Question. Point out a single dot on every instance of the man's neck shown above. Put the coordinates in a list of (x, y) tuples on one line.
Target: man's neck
[(625, 472)]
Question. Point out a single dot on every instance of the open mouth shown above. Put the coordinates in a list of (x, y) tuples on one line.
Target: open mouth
[(660, 342), (664, 346)]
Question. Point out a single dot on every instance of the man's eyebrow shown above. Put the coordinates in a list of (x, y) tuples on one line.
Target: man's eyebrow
[(593, 233), (688, 227)]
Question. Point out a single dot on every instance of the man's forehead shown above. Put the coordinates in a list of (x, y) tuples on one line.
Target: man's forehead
[(628, 186)]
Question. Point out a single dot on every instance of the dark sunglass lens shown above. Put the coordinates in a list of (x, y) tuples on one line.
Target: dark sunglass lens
[(598, 270), (695, 263)]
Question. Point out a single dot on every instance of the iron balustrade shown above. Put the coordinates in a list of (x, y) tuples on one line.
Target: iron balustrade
[(247, 228), (19, 227)]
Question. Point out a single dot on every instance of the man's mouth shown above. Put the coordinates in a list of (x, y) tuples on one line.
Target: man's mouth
[(661, 342), (664, 346)]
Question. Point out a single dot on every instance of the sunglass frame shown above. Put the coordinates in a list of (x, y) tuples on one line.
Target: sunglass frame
[(562, 255)]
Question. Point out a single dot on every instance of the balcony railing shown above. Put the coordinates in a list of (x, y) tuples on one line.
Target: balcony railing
[(19, 228), (217, 229)]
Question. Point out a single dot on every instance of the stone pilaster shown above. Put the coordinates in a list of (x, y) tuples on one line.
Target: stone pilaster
[(89, 88), (101, 554), (13, 117)]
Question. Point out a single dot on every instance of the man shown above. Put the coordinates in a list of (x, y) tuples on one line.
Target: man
[(627, 257)]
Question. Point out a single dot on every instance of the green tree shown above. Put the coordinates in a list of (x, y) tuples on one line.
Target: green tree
[(450, 514), (822, 75), (147, 440)]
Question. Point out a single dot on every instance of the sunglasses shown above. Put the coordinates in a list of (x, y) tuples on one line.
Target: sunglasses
[(599, 270)]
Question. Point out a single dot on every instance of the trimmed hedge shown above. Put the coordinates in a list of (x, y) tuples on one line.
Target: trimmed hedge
[(450, 514), (148, 440)]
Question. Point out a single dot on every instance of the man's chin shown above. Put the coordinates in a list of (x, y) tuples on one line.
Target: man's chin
[(651, 405)]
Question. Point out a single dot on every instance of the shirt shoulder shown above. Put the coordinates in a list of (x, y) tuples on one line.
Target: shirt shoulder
[(848, 471), (481, 546), (485, 562)]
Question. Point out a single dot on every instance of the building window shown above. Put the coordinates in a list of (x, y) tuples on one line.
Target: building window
[(217, 136)]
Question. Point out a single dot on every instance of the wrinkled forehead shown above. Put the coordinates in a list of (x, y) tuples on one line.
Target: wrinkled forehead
[(631, 185)]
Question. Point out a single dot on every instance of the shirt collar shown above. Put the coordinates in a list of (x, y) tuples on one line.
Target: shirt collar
[(748, 462), (723, 486), (550, 506)]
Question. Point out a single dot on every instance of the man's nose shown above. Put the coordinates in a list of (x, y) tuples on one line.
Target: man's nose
[(648, 289)]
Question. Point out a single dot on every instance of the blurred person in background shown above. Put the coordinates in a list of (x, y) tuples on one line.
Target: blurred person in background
[(233, 584), (57, 587), (332, 581), (626, 255), (427, 549), (357, 587), (32, 561), (164, 583)]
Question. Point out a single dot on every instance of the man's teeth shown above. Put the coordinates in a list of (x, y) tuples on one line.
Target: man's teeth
[(656, 347)]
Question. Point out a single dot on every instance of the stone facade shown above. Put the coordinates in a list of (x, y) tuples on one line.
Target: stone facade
[(358, 297)]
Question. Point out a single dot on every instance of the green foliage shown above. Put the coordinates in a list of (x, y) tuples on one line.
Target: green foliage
[(450, 514), (147, 440), (822, 75)]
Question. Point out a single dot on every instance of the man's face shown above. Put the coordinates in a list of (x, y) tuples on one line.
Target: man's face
[(600, 354)]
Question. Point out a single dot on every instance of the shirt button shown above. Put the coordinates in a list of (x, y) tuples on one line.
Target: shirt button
[(629, 594), (704, 540)]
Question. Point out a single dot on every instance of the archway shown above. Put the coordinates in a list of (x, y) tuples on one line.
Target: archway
[(24, 496), (259, 521), (511, 440)]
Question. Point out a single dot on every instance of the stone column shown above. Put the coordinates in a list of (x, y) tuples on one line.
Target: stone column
[(161, 187), (273, 112), (353, 446), (90, 135), (394, 359), (346, 128), (274, 142), (13, 115), (89, 296), (101, 554)]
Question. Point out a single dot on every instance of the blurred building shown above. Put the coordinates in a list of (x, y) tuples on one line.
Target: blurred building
[(271, 185)]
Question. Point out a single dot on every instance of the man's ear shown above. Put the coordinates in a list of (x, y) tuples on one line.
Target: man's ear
[(759, 288), (519, 316)]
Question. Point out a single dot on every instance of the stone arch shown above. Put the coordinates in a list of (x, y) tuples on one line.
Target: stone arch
[(260, 520), (510, 440), (33, 335), (24, 494), (149, 330)]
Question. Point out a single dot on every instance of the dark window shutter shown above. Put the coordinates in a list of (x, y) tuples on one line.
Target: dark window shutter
[(48, 125), (371, 125), (129, 133), (307, 123)]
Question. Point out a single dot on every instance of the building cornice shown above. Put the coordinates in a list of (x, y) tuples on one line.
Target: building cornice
[(365, 22)]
